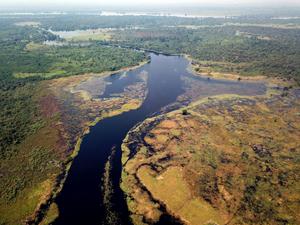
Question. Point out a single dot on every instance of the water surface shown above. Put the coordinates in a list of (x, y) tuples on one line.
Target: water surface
[(80, 201)]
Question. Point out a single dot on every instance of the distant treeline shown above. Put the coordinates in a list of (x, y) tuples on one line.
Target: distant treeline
[(24, 61), (250, 45), (250, 50)]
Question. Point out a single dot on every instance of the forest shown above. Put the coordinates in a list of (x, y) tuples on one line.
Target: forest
[(25, 61), (33, 54), (28, 137), (244, 50), (247, 45)]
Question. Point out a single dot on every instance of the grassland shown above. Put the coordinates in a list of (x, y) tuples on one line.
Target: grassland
[(85, 35), (91, 37), (171, 189), (218, 162)]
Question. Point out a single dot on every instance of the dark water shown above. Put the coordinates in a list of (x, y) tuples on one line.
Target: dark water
[(80, 201)]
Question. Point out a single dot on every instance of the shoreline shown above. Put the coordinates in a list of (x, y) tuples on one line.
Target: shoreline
[(40, 214), (238, 77), (150, 122), (68, 163), (214, 74)]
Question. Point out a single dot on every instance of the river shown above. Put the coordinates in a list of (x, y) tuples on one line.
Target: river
[(81, 200)]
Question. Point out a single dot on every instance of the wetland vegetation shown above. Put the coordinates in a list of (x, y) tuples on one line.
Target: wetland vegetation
[(237, 159), (246, 174), (37, 132)]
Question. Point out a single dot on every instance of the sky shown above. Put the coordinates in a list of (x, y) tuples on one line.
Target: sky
[(146, 2), (68, 3)]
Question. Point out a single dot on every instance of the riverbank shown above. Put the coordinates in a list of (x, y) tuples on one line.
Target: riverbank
[(78, 98), (191, 157), (63, 90), (83, 181), (146, 207), (211, 73)]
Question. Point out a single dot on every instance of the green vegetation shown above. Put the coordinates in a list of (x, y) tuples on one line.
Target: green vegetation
[(51, 215), (37, 136), (263, 51), (24, 60), (44, 62), (18, 116), (33, 143), (171, 189), (86, 35), (184, 112), (226, 166), (111, 216), (250, 45)]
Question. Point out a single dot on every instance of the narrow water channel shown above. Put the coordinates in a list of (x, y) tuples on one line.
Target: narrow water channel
[(81, 201)]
